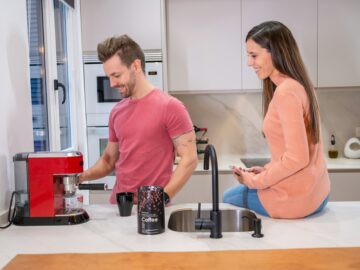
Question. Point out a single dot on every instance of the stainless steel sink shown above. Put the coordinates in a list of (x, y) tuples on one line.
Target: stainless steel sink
[(251, 162), (233, 220)]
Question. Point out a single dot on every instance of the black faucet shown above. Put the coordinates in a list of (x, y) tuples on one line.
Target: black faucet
[(214, 223)]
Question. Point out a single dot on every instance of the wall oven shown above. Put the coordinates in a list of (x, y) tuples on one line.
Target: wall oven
[(97, 141), (100, 98)]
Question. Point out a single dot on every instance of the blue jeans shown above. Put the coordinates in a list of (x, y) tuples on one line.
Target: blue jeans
[(244, 197)]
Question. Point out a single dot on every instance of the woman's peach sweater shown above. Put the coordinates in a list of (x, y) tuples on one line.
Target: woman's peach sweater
[(296, 181)]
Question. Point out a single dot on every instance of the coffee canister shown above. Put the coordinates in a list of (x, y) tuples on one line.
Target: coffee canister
[(151, 218)]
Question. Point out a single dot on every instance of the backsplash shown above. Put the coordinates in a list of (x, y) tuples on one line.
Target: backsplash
[(234, 119)]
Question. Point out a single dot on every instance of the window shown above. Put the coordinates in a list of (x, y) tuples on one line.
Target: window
[(37, 75), (52, 85), (61, 18)]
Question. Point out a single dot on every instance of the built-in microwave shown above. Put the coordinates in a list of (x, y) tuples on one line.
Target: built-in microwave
[(100, 98)]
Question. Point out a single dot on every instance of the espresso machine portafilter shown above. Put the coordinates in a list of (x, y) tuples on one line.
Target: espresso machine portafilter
[(45, 182), (70, 185)]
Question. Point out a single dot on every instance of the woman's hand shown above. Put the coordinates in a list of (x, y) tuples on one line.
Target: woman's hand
[(238, 174), (256, 169)]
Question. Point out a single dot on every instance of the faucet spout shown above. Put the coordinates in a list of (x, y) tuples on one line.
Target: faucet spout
[(214, 223)]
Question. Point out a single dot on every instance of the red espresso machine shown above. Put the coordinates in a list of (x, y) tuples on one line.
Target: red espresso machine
[(42, 186)]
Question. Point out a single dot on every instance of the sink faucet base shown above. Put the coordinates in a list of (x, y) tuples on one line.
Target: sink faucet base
[(215, 231), (213, 224)]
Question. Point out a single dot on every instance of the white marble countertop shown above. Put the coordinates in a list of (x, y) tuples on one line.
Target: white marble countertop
[(336, 226), (334, 165), (343, 163)]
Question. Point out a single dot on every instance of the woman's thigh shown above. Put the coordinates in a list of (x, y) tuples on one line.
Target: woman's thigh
[(244, 197), (321, 207)]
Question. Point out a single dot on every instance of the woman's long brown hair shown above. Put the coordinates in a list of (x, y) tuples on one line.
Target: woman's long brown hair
[(278, 40)]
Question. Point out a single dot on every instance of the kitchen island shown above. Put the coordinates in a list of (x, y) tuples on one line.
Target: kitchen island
[(107, 232)]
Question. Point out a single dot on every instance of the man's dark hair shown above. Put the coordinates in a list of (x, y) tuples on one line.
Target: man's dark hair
[(126, 48)]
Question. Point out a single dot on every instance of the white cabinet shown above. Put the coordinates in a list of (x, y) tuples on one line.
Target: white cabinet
[(204, 45), (206, 40), (345, 186), (339, 43), (140, 19), (199, 188), (299, 16)]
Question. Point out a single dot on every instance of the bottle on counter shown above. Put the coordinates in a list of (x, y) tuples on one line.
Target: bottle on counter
[(333, 152)]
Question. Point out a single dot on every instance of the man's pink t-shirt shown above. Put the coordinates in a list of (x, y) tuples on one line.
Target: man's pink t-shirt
[(144, 129)]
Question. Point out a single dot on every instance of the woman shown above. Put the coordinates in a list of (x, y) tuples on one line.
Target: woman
[(295, 183)]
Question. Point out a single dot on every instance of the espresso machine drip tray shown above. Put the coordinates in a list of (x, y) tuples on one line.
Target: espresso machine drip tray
[(70, 212), (68, 217)]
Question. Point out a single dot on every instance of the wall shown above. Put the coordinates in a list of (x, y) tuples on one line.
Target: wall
[(234, 120), (15, 103)]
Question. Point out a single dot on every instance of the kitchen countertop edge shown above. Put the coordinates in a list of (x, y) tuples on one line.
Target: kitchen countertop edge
[(340, 164)]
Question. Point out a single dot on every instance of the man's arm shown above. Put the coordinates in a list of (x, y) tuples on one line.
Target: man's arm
[(185, 146), (104, 165)]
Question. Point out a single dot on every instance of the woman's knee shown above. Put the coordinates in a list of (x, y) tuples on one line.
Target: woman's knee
[(233, 196), (226, 196)]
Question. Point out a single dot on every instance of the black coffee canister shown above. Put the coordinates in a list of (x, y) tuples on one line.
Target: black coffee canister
[(151, 218)]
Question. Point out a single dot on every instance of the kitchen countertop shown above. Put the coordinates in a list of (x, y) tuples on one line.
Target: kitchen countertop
[(107, 232), (340, 164)]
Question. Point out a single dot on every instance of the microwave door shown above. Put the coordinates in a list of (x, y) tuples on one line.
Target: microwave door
[(98, 93), (106, 94), (97, 141)]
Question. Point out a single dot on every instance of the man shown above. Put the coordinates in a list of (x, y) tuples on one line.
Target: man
[(146, 128)]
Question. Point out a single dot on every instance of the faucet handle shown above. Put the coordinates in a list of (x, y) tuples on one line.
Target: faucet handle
[(199, 210), (257, 228)]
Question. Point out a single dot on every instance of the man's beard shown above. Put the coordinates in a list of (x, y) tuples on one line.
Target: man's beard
[(130, 87)]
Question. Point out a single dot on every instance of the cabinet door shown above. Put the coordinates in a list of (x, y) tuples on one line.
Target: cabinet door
[(339, 43), (345, 186), (140, 19), (299, 16), (204, 45)]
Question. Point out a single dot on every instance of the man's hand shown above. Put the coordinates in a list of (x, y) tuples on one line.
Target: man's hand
[(82, 177)]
